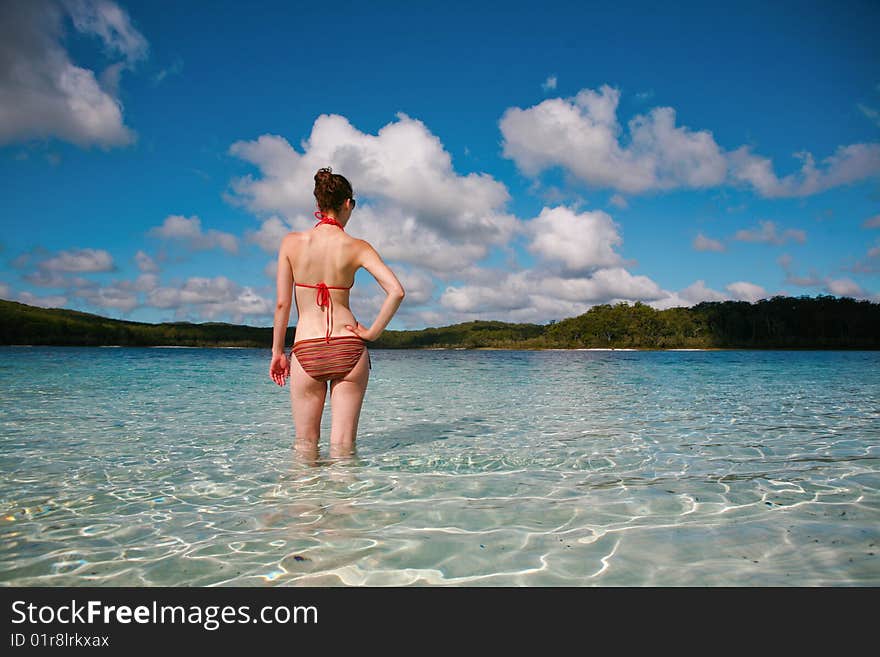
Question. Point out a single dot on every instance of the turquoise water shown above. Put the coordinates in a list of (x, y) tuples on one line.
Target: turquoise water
[(140, 467)]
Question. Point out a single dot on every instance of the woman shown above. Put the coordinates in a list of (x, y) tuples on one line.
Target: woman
[(329, 343)]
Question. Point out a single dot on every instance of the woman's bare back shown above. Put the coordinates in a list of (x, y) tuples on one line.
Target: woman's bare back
[(324, 254)]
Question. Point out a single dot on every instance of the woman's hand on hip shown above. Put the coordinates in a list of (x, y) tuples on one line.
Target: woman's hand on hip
[(279, 368), (362, 331)]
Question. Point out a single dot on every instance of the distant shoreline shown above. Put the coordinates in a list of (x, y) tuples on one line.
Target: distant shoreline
[(183, 346), (787, 323)]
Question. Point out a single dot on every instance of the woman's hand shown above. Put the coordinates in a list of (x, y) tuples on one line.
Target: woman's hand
[(279, 369), (362, 331)]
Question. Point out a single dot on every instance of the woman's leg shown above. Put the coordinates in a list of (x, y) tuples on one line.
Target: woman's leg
[(307, 400), (346, 398)]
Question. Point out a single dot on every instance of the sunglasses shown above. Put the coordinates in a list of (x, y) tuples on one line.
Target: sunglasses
[(353, 203)]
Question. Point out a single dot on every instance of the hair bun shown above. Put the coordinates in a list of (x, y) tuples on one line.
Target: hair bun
[(331, 189)]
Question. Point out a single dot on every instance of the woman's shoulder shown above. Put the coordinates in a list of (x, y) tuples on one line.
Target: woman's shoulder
[(294, 239), (361, 243), (363, 250), (290, 239)]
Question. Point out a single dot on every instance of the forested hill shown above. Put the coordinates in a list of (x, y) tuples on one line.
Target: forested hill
[(823, 322)]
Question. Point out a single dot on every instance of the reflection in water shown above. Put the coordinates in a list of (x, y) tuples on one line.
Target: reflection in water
[(310, 453)]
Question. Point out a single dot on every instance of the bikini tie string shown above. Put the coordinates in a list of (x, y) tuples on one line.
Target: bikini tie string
[(323, 298), (324, 219)]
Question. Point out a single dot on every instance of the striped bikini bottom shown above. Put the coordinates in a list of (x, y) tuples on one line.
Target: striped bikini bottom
[(326, 361)]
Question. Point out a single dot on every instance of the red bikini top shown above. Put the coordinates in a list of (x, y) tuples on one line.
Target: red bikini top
[(323, 295)]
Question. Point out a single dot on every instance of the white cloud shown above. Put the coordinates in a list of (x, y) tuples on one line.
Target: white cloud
[(5, 291), (428, 318), (118, 295), (399, 236), (513, 291), (579, 241), (693, 294), (745, 291), (268, 237), (80, 260), (676, 156), (44, 278), (698, 292), (553, 195), (111, 23), (844, 287), (768, 233), (145, 263), (619, 201), (146, 282), (849, 164), (403, 170), (189, 231), (110, 78), (53, 279), (549, 84), (175, 69), (211, 298), (43, 93), (582, 135), (114, 296), (703, 243), (870, 263), (671, 300), (21, 260), (536, 296), (55, 301), (602, 286), (196, 290), (872, 222), (419, 286), (785, 261), (871, 113)]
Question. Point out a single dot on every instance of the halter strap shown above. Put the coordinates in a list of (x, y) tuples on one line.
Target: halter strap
[(324, 219)]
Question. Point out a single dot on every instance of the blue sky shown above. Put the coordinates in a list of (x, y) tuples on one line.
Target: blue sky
[(521, 163)]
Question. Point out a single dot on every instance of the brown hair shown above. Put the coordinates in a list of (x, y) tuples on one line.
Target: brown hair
[(331, 189)]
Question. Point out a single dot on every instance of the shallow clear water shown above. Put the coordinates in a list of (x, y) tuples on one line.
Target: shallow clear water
[(138, 466)]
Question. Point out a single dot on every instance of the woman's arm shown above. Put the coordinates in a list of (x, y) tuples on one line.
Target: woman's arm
[(373, 263), (284, 285)]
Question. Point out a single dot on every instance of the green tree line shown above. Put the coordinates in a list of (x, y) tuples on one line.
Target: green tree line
[(823, 322)]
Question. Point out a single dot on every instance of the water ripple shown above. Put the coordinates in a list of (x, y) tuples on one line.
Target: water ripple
[(479, 468)]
